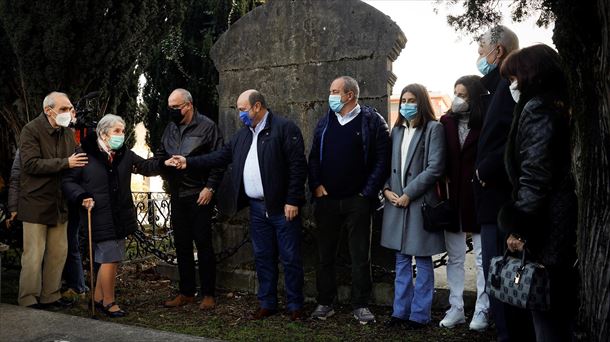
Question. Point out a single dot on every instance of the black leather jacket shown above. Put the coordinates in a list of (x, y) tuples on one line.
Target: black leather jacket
[(201, 136), (544, 205)]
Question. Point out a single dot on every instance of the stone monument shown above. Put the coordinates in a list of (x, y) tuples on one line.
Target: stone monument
[(291, 51)]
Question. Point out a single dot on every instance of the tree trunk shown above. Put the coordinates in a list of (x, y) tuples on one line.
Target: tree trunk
[(582, 38)]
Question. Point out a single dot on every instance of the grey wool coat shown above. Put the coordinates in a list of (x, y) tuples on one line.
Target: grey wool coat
[(403, 228)]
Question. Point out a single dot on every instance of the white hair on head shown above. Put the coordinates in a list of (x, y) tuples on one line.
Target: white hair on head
[(49, 100), (503, 36), (106, 124)]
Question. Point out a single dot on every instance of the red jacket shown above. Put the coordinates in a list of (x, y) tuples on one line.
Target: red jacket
[(460, 172)]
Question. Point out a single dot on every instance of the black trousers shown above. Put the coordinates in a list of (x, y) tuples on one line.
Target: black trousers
[(193, 223), (332, 216)]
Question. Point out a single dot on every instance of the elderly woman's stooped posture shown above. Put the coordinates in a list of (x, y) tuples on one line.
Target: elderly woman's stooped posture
[(104, 185)]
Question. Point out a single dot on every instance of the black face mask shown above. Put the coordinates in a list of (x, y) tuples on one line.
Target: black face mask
[(175, 115)]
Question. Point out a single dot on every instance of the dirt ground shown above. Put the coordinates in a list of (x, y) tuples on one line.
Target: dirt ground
[(141, 291)]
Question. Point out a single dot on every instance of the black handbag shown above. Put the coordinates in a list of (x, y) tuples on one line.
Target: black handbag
[(518, 282), (438, 215)]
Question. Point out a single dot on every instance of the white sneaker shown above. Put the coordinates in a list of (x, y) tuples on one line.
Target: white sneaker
[(363, 315), (453, 317), (479, 321), (322, 312)]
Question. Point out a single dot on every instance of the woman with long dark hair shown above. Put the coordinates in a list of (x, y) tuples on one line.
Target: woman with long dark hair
[(541, 218), (462, 124), (418, 162)]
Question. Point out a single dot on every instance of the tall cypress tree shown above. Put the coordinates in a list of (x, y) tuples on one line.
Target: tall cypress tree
[(76, 46)]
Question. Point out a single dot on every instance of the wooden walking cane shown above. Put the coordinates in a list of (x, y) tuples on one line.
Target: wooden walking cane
[(92, 290)]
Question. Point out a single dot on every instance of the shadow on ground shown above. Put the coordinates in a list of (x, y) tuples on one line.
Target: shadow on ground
[(142, 291)]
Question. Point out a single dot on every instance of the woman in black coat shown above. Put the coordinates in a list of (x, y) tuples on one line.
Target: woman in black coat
[(462, 125), (542, 216), (104, 185)]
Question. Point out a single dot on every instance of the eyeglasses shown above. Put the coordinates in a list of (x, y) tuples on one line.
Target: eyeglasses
[(180, 106)]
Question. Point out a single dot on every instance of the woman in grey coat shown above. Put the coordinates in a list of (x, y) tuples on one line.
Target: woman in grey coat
[(418, 154)]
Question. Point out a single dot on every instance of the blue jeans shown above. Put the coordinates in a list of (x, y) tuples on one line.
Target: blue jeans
[(273, 236), (73, 269), (413, 302)]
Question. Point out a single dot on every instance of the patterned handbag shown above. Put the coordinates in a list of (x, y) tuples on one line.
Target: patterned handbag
[(519, 282)]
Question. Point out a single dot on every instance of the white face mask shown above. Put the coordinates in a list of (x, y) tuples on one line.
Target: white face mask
[(459, 105), (514, 91), (63, 119)]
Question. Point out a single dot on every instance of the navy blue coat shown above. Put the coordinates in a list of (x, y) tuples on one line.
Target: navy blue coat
[(490, 153), (376, 148), (281, 158)]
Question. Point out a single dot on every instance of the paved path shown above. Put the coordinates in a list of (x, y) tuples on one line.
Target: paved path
[(23, 325)]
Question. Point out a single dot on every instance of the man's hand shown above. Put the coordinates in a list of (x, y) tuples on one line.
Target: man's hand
[(9, 221), (179, 162), (514, 243), (77, 160), (403, 201), (88, 203), (205, 196), (291, 211), (320, 191)]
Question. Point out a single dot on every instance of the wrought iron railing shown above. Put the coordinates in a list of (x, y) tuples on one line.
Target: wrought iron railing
[(153, 211)]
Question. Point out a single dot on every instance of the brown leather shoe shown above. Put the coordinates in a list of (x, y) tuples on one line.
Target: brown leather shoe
[(297, 315), (262, 313), (180, 300), (208, 303)]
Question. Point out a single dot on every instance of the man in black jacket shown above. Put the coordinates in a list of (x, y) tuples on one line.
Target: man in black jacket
[(492, 188), (348, 164), (190, 134), (268, 175)]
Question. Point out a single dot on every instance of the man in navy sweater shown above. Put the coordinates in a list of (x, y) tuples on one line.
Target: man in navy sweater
[(348, 164), (268, 175)]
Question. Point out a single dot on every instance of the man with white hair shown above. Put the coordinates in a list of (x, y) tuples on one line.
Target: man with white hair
[(491, 185), (46, 149)]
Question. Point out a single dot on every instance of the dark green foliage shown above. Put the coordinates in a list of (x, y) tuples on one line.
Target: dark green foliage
[(182, 60), (479, 15), (77, 47)]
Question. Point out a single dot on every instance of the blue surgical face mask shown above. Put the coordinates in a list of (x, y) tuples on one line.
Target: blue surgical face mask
[(334, 102), (408, 110), (116, 141), (484, 66), (243, 116)]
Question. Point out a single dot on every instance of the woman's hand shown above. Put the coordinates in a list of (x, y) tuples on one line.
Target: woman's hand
[(403, 201), (88, 203), (514, 243), (390, 196)]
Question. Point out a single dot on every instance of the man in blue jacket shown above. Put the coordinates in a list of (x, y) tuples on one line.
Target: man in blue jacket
[(268, 175), (348, 165)]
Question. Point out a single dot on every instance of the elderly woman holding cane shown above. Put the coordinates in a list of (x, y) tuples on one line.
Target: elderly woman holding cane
[(103, 186)]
